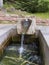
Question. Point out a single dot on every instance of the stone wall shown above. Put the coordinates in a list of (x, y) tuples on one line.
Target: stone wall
[(7, 17)]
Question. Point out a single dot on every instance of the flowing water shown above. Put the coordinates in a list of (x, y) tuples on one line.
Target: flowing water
[(21, 49), (22, 39), (30, 56)]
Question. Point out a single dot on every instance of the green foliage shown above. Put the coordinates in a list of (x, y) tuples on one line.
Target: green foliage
[(43, 6), (30, 5)]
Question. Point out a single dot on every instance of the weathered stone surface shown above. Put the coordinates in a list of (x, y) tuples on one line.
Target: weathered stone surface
[(31, 28), (14, 17)]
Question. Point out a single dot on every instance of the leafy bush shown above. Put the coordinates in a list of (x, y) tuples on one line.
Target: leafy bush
[(30, 5)]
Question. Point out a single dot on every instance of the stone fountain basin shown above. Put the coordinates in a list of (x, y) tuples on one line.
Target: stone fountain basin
[(8, 37)]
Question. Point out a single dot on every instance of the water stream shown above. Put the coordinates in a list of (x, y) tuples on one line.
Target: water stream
[(21, 49), (22, 40)]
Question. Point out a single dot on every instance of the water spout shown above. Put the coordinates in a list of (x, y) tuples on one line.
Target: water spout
[(25, 25)]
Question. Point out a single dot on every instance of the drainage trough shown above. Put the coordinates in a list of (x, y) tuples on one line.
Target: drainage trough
[(13, 40)]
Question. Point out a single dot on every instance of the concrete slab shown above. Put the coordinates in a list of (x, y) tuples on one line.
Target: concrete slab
[(3, 36), (5, 30), (47, 39), (45, 32)]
